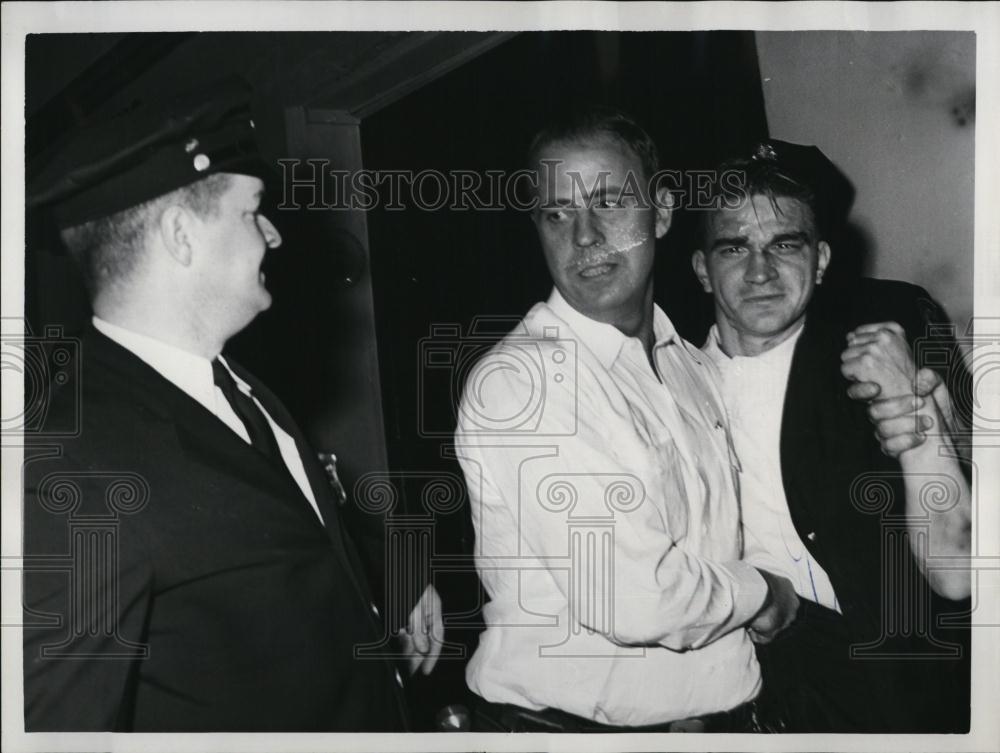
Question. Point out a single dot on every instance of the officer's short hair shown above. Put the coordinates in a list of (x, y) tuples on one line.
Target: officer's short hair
[(108, 249), (105, 183)]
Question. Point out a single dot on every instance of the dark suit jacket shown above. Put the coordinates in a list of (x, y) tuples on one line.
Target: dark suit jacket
[(176, 581), (843, 494)]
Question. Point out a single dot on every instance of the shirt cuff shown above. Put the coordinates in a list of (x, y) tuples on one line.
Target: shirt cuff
[(750, 590)]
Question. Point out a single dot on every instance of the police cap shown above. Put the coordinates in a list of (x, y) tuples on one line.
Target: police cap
[(808, 166), (147, 152)]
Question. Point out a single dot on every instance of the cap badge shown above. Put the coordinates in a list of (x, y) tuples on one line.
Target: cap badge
[(765, 152), (201, 162)]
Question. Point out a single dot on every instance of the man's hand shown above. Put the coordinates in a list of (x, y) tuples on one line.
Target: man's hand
[(424, 633), (898, 427), (879, 354), (779, 609), (879, 358)]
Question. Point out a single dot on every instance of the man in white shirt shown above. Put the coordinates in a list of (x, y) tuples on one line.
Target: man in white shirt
[(198, 576), (808, 459), (602, 479)]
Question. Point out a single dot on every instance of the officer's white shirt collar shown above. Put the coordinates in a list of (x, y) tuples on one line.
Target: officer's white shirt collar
[(187, 371), (192, 374)]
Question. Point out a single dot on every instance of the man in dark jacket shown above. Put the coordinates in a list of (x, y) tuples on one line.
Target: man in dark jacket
[(866, 539), (187, 569)]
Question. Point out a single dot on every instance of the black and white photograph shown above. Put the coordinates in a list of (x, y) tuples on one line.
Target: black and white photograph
[(402, 376)]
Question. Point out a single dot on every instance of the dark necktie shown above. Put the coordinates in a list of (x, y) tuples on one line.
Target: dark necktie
[(253, 418)]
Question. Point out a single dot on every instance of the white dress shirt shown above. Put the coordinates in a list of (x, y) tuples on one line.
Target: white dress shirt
[(607, 525), (754, 391), (192, 374)]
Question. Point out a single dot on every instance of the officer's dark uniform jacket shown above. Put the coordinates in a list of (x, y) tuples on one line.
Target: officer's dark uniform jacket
[(176, 581)]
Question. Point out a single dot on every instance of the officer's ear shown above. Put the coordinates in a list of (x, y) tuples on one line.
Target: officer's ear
[(176, 233), (700, 265), (664, 204)]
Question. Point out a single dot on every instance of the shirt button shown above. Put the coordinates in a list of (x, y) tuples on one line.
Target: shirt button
[(399, 679), (374, 609)]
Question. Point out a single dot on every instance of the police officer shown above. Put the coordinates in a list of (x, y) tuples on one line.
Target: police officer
[(202, 579)]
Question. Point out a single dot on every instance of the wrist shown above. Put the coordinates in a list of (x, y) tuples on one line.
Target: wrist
[(768, 593)]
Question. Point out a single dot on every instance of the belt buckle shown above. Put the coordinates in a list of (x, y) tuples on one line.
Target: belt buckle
[(694, 724)]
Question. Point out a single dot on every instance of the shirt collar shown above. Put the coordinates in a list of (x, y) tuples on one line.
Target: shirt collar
[(188, 372), (780, 353), (605, 340)]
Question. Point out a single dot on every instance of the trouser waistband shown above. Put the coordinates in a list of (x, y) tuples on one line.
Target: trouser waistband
[(506, 717)]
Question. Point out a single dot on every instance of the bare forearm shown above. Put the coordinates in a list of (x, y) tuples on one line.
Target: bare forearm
[(938, 495), (879, 362)]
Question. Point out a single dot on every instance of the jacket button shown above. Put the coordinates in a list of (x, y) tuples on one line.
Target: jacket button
[(811, 535), (374, 609), (399, 679)]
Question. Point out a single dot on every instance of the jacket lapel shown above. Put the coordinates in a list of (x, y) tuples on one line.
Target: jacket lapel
[(820, 440), (318, 481), (314, 473), (208, 441), (802, 434), (204, 439)]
